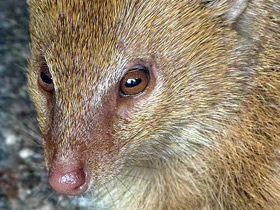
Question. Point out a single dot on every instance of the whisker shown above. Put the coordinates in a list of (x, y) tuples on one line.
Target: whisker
[(49, 196), (13, 21), (37, 174), (59, 200), (36, 190), (114, 202), (30, 132), (133, 176), (127, 189), (139, 166)]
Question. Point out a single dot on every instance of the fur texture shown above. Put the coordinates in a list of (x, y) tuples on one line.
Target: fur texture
[(205, 137)]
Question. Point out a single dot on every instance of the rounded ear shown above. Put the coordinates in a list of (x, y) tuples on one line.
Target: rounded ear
[(232, 8), (236, 9)]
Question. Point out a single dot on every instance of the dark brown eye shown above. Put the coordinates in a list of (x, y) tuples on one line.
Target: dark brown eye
[(135, 81), (45, 78)]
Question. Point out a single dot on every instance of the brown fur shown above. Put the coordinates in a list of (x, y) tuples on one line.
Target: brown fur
[(206, 136)]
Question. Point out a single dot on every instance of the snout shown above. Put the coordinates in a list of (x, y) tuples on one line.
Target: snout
[(68, 179)]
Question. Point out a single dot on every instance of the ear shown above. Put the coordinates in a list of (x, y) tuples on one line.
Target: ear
[(237, 7), (232, 9)]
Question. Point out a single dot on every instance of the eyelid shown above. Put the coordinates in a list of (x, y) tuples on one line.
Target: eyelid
[(139, 67), (135, 67)]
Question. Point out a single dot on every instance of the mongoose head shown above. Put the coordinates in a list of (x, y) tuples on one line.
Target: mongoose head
[(122, 81)]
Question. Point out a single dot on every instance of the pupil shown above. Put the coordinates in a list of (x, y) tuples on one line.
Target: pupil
[(133, 82), (46, 78)]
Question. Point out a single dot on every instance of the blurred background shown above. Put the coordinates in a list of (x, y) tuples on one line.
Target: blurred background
[(23, 178)]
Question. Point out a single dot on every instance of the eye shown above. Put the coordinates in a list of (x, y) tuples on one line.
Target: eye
[(45, 78), (135, 81)]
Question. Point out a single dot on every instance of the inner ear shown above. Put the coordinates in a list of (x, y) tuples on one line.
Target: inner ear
[(237, 7), (232, 8)]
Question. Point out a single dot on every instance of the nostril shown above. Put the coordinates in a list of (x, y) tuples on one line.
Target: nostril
[(69, 183)]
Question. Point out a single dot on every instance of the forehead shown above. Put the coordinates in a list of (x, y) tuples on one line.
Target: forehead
[(102, 23), (76, 27)]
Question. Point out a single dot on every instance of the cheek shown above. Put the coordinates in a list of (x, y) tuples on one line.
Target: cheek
[(138, 115), (135, 119), (43, 103), (125, 108)]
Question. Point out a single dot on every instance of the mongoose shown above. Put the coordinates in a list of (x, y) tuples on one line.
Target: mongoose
[(159, 104)]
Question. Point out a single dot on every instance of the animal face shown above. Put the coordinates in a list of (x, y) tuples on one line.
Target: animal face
[(130, 81)]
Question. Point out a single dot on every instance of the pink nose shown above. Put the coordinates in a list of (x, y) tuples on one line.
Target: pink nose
[(69, 183)]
